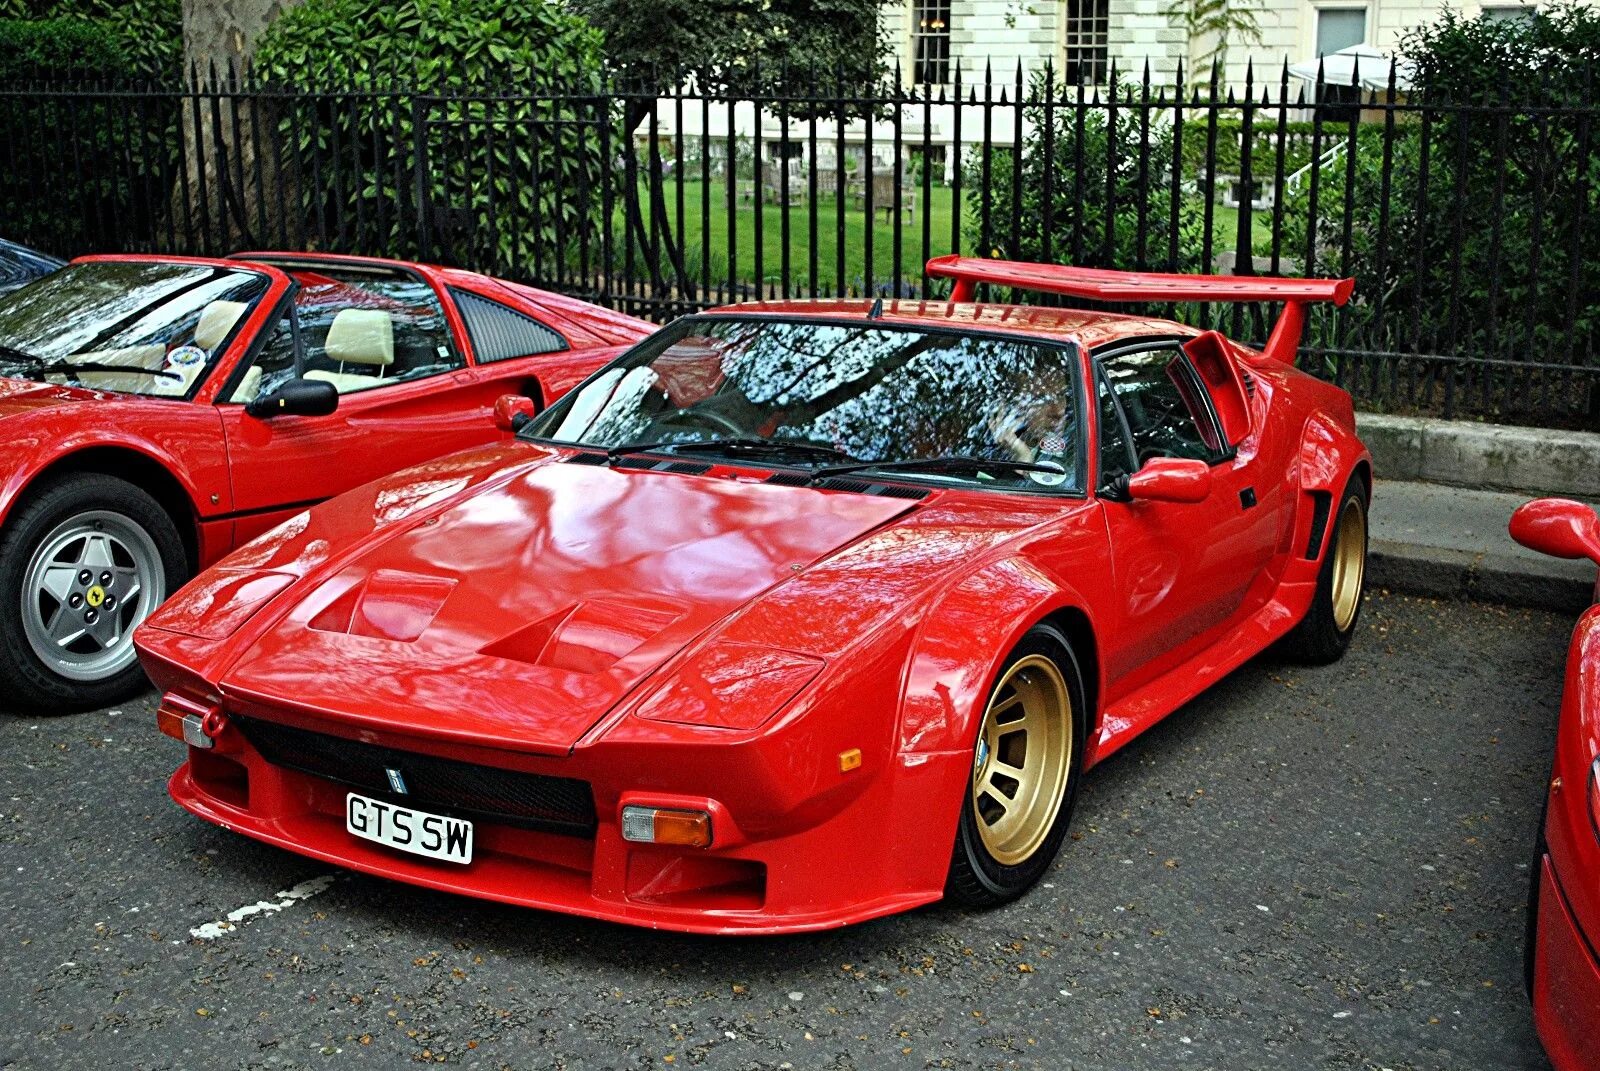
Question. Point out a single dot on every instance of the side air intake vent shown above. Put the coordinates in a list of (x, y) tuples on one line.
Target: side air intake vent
[(1321, 505), (1249, 383)]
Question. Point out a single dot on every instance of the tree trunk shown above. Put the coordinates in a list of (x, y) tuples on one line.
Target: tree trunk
[(227, 190)]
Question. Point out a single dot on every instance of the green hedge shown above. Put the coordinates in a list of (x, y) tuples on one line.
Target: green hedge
[(538, 152)]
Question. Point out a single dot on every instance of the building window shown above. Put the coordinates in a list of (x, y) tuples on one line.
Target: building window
[(1509, 13), (1340, 27), (1087, 58), (930, 42)]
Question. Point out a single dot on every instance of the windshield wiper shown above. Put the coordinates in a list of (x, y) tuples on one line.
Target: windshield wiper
[(736, 446), (67, 368), (946, 463), (13, 355)]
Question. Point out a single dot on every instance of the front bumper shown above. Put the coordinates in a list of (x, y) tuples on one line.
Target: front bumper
[(879, 853), (1566, 982)]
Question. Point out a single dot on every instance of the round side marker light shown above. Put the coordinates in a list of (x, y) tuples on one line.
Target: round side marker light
[(651, 825)]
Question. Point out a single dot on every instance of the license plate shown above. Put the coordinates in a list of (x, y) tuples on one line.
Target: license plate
[(417, 832)]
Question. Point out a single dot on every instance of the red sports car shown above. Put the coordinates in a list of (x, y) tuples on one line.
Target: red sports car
[(157, 412), (1564, 904), (793, 615)]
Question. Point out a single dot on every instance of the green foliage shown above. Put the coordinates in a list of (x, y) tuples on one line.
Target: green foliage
[(1480, 254), (1263, 141), (145, 36), (1095, 185), (77, 168), (46, 48), (496, 158), (746, 47)]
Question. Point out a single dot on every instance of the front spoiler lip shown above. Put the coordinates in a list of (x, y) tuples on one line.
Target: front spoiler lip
[(190, 797)]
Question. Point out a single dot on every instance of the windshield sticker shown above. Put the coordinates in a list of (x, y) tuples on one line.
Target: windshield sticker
[(185, 356)]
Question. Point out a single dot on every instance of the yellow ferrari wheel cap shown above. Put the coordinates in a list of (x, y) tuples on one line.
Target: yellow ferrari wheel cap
[(95, 595)]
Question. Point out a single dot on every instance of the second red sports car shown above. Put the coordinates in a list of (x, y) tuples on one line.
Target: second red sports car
[(1564, 905), (157, 412), (793, 615)]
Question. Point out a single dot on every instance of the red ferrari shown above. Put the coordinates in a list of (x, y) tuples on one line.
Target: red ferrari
[(1564, 904), (784, 586), (157, 412)]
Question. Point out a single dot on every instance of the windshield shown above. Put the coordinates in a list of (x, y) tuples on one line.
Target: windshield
[(835, 394), (134, 327)]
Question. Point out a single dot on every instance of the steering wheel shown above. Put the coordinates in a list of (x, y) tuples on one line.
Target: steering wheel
[(697, 418)]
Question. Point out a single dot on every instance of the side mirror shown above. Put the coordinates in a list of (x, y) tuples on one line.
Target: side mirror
[(512, 412), (1559, 527), (1171, 479), (298, 397)]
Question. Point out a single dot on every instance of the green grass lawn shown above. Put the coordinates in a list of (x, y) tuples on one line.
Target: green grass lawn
[(768, 266)]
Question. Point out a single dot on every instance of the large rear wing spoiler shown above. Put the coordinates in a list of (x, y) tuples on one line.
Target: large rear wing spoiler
[(1098, 284)]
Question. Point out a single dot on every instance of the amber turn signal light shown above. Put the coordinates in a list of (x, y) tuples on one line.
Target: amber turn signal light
[(193, 723), (651, 825)]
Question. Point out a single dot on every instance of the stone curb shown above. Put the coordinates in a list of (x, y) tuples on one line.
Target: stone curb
[(1453, 574), (1531, 461)]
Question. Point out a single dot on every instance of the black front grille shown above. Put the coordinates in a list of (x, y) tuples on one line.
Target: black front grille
[(537, 801)]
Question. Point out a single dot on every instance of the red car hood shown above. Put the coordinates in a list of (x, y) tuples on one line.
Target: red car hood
[(20, 396), (518, 616)]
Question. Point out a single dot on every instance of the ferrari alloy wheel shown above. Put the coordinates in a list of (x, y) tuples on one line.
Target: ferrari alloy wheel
[(82, 564), (1324, 633), (1025, 767)]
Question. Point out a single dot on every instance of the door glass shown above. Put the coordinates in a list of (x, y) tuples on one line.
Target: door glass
[(360, 329), (1116, 455), (1160, 396)]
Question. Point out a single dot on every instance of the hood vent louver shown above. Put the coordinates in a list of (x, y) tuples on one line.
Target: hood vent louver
[(587, 459), (693, 468), (882, 490), (789, 479)]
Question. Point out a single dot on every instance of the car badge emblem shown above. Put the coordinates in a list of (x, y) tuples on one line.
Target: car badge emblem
[(396, 781)]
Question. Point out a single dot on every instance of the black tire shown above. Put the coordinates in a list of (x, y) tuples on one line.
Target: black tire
[(977, 879), (1530, 936), (28, 682), (1318, 639)]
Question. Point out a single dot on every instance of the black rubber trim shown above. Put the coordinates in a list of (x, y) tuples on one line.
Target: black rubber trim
[(1321, 506)]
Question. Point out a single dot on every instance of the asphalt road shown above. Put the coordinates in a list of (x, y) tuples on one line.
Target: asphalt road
[(1305, 868)]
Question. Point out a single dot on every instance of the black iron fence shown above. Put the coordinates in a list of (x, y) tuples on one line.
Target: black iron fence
[(1466, 224)]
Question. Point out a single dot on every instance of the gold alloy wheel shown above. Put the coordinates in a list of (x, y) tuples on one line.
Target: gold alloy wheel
[(1022, 760), (1349, 563)]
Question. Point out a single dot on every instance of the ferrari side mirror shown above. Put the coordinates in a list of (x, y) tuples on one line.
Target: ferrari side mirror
[(512, 412), (1559, 527), (1171, 479), (298, 397)]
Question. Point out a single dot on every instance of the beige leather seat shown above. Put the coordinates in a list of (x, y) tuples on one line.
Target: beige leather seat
[(248, 387), (361, 337)]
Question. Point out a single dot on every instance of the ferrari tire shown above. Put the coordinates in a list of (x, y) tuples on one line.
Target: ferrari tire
[(1530, 933), (1323, 635), (1027, 760), (83, 560)]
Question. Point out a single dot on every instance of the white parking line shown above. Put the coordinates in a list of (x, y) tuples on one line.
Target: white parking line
[(210, 931)]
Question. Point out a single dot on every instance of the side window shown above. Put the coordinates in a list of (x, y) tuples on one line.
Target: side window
[(272, 368), (499, 333), (359, 330), (1162, 400), (1116, 454)]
